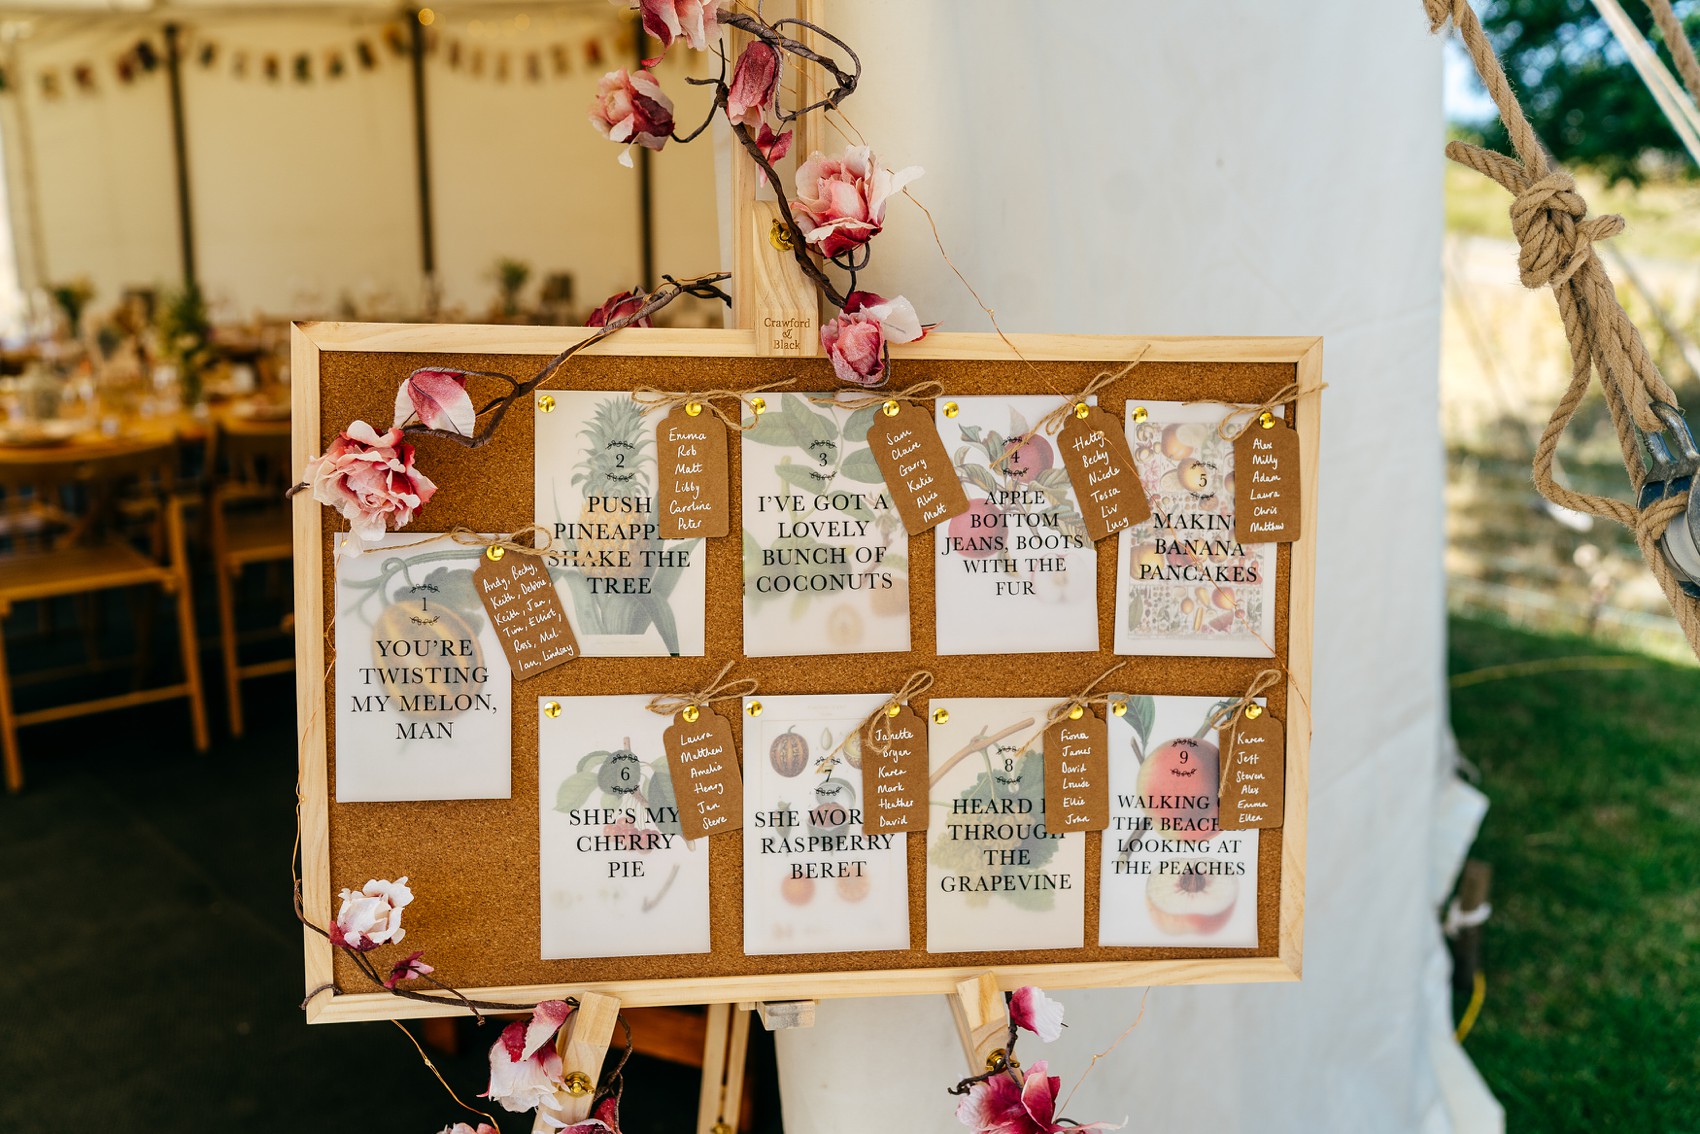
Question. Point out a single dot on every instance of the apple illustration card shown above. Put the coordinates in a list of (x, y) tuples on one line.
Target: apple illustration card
[(627, 592), (422, 690), (1015, 573), (996, 880), (826, 557), (616, 876), (1184, 584), (1170, 874), (814, 882)]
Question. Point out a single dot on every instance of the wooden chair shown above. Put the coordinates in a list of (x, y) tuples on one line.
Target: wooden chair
[(94, 555), (249, 522)]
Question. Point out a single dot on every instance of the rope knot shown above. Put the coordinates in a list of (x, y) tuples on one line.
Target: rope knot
[(1439, 11), (1555, 235)]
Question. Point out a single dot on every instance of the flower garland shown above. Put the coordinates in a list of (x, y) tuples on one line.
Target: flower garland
[(1005, 1100)]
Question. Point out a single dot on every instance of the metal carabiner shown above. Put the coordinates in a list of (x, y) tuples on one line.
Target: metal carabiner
[(1668, 475)]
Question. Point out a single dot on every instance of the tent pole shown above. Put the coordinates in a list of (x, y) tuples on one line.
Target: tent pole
[(422, 157), (180, 152), (646, 195)]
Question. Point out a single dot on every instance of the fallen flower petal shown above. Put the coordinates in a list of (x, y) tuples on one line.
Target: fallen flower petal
[(438, 398), (1030, 1008)]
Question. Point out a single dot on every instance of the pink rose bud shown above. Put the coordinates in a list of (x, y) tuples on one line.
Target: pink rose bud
[(753, 82), (632, 108), (841, 201), (856, 346)]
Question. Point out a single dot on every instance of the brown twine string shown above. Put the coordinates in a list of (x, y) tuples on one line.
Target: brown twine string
[(1676, 39), (1285, 396), (466, 537), (1266, 679), (652, 399), (1053, 422), (917, 684), (670, 704), (1555, 236), (1085, 698), (859, 398)]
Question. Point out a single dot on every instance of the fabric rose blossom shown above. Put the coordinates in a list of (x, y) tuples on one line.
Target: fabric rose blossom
[(1006, 1104), (409, 967), (525, 1067), (463, 1128), (605, 1119), (1031, 1009), (370, 479), (693, 21), (620, 305), (438, 398), (754, 80), (632, 108), (841, 201), (855, 340), (371, 916)]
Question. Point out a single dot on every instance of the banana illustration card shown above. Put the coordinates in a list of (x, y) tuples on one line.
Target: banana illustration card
[(422, 690), (826, 567), (628, 592), (617, 877), (1170, 874), (814, 880)]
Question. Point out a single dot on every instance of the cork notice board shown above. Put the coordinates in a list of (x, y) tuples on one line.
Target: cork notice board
[(473, 864)]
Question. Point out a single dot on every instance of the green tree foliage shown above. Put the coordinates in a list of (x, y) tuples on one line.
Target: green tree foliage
[(1579, 89)]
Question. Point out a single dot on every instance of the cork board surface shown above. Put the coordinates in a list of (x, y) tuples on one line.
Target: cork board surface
[(474, 865)]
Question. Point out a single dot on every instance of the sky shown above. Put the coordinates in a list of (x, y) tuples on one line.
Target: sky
[(1466, 101)]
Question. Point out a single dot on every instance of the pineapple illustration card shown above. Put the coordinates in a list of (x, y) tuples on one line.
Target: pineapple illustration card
[(617, 877), (422, 691), (1185, 584), (628, 593), (814, 881), (996, 879), (826, 567), (1016, 573), (1171, 875)]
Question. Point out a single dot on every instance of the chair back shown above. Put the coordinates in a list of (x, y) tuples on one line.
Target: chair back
[(251, 459), (82, 493)]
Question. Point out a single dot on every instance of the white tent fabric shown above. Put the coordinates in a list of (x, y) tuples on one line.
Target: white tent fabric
[(1232, 168)]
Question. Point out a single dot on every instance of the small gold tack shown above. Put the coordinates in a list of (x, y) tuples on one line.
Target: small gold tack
[(690, 714), (577, 1084), (1075, 712), (1119, 708), (941, 716), (779, 236), (1252, 712), (893, 709), (1140, 413), (1081, 409), (692, 409), (1266, 419), (890, 409), (758, 406), (552, 709), (720, 1128), (951, 409), (546, 403), (753, 708), (494, 553)]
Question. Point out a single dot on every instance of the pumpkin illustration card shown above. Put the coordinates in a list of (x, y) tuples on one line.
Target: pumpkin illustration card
[(814, 881), (1185, 585), (628, 593), (826, 567), (1016, 573), (617, 877), (422, 689), (996, 879), (1170, 875)]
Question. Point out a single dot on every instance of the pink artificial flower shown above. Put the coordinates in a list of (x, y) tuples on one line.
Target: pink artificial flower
[(1030, 1008), (773, 146), (463, 1128), (525, 1067), (1004, 1104), (605, 1119), (691, 20), (841, 200), (409, 967), (852, 340), (632, 108), (897, 319), (370, 479), (438, 398), (754, 80), (371, 916), (620, 305)]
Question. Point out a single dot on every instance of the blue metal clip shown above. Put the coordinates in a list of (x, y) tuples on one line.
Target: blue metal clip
[(1669, 475)]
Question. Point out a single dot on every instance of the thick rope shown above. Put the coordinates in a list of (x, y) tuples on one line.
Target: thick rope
[(1676, 39), (1556, 239)]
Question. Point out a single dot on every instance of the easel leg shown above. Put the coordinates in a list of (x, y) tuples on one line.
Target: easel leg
[(726, 1045)]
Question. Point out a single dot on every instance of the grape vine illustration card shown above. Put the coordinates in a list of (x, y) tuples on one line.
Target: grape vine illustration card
[(996, 879), (826, 567), (1170, 875), (628, 593), (814, 881), (1016, 573), (422, 688), (617, 878), (1185, 585)]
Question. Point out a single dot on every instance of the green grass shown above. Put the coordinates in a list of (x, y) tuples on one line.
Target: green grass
[(1592, 956), (1662, 216)]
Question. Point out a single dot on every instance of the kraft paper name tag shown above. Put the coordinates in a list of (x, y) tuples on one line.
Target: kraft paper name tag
[(531, 624), (706, 780), (1255, 793), (1100, 466), (917, 470), (1077, 775), (894, 773), (1266, 489), (695, 496)]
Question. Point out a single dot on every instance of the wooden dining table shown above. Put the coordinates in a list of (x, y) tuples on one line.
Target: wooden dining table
[(132, 434)]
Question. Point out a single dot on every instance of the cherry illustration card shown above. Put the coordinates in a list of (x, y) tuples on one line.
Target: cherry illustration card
[(826, 567), (1170, 875), (1015, 573), (814, 880), (1185, 584), (617, 876), (422, 689), (628, 592), (996, 879)]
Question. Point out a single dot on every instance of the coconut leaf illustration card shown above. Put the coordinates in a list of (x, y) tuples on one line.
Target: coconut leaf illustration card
[(814, 880), (1016, 573), (1185, 584), (628, 592), (422, 690), (996, 878), (1170, 875), (826, 567), (617, 877)]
